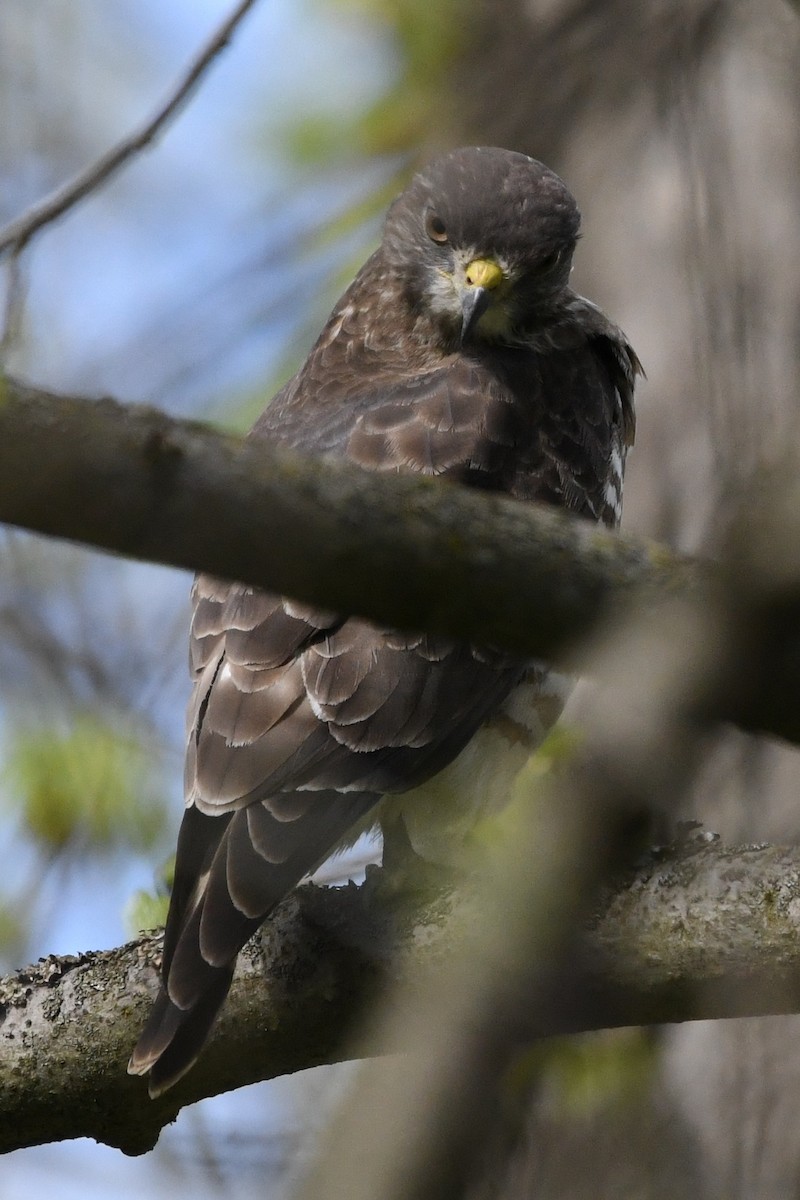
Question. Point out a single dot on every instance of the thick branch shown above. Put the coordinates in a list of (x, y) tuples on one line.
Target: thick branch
[(411, 551), (702, 934)]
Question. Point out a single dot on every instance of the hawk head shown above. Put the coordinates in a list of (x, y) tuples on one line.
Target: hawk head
[(483, 240)]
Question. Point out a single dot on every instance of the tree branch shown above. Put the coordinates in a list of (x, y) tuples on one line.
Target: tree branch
[(700, 933), (18, 233), (410, 551)]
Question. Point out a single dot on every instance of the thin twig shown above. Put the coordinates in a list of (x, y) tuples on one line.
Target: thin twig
[(18, 232), (14, 306)]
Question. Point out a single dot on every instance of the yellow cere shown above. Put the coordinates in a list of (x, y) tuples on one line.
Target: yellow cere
[(483, 272)]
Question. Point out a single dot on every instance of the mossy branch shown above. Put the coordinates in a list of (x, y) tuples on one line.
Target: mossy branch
[(411, 551), (697, 933)]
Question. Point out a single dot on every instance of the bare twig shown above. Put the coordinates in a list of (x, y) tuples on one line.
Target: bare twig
[(13, 307), (18, 232)]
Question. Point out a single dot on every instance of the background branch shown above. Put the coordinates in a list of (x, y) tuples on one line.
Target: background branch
[(18, 233)]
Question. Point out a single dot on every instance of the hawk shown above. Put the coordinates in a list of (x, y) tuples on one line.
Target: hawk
[(459, 350)]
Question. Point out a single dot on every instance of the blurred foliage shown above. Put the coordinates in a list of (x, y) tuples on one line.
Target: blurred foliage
[(13, 928), (501, 829), (145, 910), (582, 1075), (148, 910), (94, 788), (415, 107)]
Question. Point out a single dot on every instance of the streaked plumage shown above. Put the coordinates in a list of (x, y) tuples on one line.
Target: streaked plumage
[(457, 351)]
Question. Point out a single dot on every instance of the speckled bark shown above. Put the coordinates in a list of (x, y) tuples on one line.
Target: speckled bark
[(704, 932), (68, 1024)]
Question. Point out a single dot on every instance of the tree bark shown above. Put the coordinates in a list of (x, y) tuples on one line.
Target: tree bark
[(408, 550), (413, 552), (698, 932)]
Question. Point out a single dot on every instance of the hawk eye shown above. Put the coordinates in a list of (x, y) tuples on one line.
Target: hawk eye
[(435, 228), (552, 260)]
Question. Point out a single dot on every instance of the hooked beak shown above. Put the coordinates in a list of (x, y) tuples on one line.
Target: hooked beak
[(481, 277)]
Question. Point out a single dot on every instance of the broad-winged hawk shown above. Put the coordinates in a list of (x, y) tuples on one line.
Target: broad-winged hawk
[(459, 350)]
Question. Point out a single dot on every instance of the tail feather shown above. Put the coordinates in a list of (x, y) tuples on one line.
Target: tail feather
[(230, 874), (173, 1038), (198, 841)]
